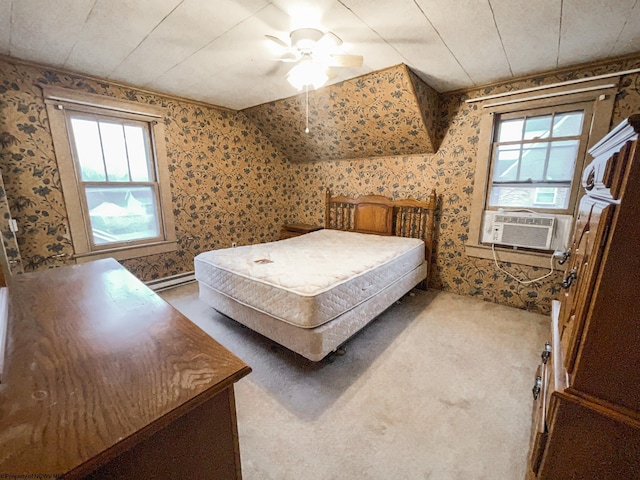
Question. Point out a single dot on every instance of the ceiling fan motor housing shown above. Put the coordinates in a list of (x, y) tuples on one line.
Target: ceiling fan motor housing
[(305, 39)]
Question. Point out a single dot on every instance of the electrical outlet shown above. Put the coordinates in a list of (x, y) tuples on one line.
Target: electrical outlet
[(234, 244)]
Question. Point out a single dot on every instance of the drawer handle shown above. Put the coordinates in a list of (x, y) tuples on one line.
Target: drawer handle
[(537, 387), (573, 275), (591, 180), (565, 256), (546, 353)]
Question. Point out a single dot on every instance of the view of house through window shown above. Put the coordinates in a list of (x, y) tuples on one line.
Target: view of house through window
[(117, 177), (534, 159)]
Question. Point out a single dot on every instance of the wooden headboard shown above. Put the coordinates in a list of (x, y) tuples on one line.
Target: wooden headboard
[(383, 216)]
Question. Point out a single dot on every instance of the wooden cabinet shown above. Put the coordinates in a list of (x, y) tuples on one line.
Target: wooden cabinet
[(104, 379), (589, 425), (294, 229), (10, 260)]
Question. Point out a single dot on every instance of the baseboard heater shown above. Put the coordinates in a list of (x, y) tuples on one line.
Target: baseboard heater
[(172, 281)]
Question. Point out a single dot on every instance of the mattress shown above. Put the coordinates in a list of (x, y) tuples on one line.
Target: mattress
[(311, 279), (314, 343)]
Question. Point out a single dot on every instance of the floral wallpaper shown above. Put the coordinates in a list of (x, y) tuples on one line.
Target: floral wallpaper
[(231, 183), (226, 177), (369, 116), (430, 104)]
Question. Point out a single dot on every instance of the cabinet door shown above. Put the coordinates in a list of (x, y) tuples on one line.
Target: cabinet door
[(586, 252), (589, 442), (541, 396), (10, 259)]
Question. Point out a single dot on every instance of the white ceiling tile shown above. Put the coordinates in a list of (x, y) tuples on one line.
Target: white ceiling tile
[(403, 25), (467, 28), (46, 31), (190, 27), (5, 26), (629, 39), (242, 54), (308, 13), (590, 33), (529, 32), (112, 31), (217, 51)]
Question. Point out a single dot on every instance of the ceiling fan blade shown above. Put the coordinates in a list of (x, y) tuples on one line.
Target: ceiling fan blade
[(340, 60), (273, 71), (329, 41), (289, 56), (278, 41)]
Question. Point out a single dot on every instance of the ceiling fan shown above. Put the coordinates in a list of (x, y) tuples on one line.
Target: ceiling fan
[(314, 53)]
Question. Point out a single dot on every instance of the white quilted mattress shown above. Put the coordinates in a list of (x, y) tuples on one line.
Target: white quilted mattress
[(310, 279)]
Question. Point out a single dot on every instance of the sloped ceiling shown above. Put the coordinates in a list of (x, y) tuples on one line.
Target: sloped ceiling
[(384, 113)]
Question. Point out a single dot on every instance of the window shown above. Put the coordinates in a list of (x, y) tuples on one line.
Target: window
[(113, 174), (534, 158), (531, 153)]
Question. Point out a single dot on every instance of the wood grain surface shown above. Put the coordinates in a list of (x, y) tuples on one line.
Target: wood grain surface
[(96, 363)]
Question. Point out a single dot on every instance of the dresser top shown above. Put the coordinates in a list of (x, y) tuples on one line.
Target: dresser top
[(95, 363)]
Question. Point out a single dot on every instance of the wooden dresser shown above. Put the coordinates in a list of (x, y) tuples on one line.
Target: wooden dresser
[(587, 412), (105, 380)]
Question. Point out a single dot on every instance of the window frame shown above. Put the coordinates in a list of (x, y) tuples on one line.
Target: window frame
[(600, 94), (61, 103), (587, 108)]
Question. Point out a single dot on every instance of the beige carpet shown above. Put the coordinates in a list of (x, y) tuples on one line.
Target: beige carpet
[(438, 387)]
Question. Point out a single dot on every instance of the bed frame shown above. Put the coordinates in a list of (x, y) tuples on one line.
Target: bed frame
[(373, 214), (383, 216)]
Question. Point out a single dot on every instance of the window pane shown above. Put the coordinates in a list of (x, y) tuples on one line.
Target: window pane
[(562, 159), (122, 213), (511, 196), (115, 152), (525, 197), (537, 127), (87, 141), (533, 159), (506, 165), (567, 124), (510, 130), (138, 154)]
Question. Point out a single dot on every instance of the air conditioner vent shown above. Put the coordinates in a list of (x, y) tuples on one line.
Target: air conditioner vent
[(523, 230)]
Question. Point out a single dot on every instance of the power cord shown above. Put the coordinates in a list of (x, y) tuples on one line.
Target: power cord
[(522, 282)]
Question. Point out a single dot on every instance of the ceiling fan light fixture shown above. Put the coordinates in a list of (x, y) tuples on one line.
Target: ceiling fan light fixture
[(305, 39), (307, 73)]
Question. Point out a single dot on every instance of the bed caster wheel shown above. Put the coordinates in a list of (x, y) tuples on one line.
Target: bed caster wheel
[(340, 351)]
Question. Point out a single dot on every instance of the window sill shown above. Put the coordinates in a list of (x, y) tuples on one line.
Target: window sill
[(125, 253), (519, 257)]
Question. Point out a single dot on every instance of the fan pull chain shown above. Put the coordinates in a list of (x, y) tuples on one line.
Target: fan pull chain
[(306, 130)]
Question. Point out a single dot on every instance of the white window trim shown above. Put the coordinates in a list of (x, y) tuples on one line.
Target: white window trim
[(601, 92), (56, 99)]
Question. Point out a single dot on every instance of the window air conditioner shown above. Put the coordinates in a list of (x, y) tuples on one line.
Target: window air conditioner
[(523, 230)]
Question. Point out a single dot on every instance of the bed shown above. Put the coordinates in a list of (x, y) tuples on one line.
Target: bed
[(312, 292)]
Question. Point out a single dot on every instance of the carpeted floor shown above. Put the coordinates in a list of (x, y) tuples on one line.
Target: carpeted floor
[(438, 387)]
